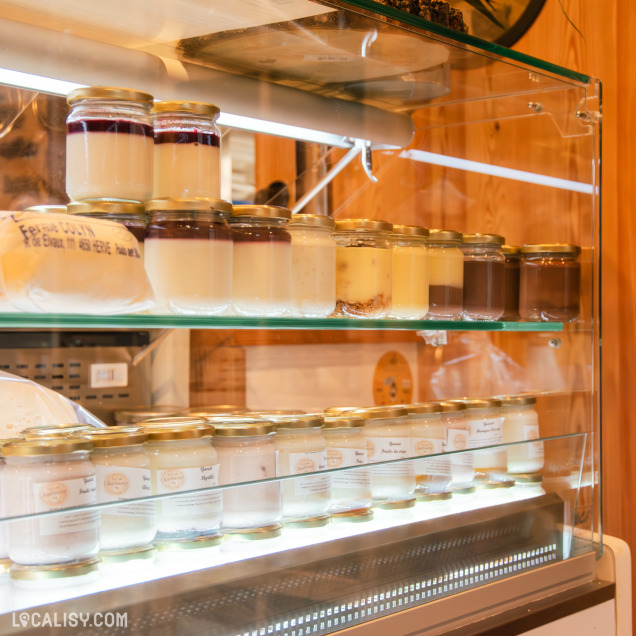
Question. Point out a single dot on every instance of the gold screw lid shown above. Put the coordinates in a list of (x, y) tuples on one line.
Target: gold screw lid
[(177, 428), (117, 436), (483, 239), (511, 250), (265, 412), (518, 400), (245, 427), (369, 225), (313, 220), (412, 231), (380, 412), (340, 410), (262, 211), (196, 108), (189, 205), (213, 411), (343, 421), (142, 413), (47, 209), (298, 421), (108, 92), (481, 403), (450, 406), (423, 408), (444, 236), (54, 571), (48, 446), (91, 206), (565, 249), (60, 430)]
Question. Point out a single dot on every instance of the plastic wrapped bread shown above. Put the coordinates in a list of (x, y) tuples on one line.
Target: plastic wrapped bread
[(55, 264)]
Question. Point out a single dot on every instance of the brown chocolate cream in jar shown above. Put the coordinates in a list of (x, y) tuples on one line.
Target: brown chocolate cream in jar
[(550, 282), (512, 269)]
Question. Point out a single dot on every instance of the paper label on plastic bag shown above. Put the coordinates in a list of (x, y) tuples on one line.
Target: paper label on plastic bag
[(173, 480), (534, 449), (309, 462), (117, 483)]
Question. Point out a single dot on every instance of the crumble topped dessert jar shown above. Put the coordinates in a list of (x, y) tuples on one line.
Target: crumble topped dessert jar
[(363, 268), (109, 144)]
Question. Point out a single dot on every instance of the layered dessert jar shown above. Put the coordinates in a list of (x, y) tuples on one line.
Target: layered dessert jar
[(302, 448), (247, 453), (351, 496), (186, 150), (550, 282), (363, 268), (445, 275), (512, 271), (428, 437), (313, 272), (183, 460), (521, 424), (188, 256), (43, 475), (261, 282), (109, 144), (483, 296), (410, 272), (132, 216), (122, 469), (457, 440), (387, 434)]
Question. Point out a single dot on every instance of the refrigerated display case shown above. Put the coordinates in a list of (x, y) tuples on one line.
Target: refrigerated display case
[(363, 111)]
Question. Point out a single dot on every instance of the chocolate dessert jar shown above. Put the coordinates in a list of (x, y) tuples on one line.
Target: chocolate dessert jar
[(445, 275), (261, 281), (363, 268), (512, 270), (188, 255), (550, 282), (483, 296)]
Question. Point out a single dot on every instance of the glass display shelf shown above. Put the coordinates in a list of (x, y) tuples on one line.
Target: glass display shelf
[(149, 321)]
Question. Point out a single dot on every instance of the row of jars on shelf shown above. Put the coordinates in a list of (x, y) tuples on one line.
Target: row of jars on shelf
[(78, 465), (209, 258)]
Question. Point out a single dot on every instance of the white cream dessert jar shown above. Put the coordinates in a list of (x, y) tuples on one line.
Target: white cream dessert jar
[(521, 424)]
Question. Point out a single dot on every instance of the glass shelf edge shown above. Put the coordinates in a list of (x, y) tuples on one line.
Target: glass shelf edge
[(149, 321)]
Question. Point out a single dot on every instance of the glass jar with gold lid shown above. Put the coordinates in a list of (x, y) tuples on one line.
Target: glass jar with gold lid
[(521, 424), (457, 439), (70, 429), (512, 270), (410, 272), (445, 275)]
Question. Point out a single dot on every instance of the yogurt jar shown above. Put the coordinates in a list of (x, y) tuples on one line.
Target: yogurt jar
[(410, 272), (187, 147), (445, 275), (351, 496), (188, 255), (313, 272), (247, 452), (122, 469), (109, 144), (457, 439), (44, 475), (364, 268), (521, 424), (261, 283), (182, 459), (302, 448), (388, 438)]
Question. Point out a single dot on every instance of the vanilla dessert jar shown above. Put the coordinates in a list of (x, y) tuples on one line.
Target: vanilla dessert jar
[(122, 468), (302, 449), (486, 428), (457, 439), (364, 268), (521, 424), (388, 438), (183, 460), (261, 283), (410, 272), (109, 144), (313, 273), (188, 255), (186, 150), (44, 475), (247, 453), (445, 275)]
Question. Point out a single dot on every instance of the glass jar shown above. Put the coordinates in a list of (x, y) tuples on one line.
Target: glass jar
[(188, 256), (142, 413), (457, 439), (182, 458), (50, 474), (302, 449), (186, 150), (387, 436), (410, 272), (122, 468), (60, 430), (512, 269), (363, 268), (521, 424), (445, 275), (132, 216), (550, 281), (109, 144), (313, 272), (4, 553), (261, 283), (485, 428), (247, 452), (483, 296), (428, 437), (351, 496)]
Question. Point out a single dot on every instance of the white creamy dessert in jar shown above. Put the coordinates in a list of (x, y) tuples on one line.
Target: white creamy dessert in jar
[(410, 272), (521, 424)]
